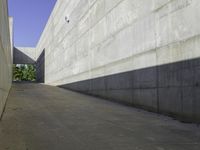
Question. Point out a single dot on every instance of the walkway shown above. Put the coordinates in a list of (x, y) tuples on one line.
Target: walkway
[(39, 117)]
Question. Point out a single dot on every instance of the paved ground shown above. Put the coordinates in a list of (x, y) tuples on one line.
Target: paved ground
[(39, 117)]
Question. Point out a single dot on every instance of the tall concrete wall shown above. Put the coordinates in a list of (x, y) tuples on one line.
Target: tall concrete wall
[(5, 54), (140, 52)]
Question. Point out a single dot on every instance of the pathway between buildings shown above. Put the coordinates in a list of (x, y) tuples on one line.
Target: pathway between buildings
[(40, 117)]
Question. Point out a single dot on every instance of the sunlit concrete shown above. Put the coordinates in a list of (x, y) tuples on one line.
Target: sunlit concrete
[(106, 37), (39, 117), (6, 32)]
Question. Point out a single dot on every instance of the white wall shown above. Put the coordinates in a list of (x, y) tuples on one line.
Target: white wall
[(111, 36), (5, 54)]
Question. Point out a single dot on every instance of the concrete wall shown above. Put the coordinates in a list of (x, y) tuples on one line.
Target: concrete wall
[(141, 52), (40, 68), (5, 54), (24, 55)]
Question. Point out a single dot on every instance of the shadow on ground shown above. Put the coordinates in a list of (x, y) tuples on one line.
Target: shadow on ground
[(40, 117)]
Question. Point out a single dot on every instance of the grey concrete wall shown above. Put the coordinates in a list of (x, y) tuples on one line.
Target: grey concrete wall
[(40, 68), (5, 54), (24, 55), (172, 89), (106, 38)]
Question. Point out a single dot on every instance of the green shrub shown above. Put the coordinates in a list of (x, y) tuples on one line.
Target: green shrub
[(24, 73)]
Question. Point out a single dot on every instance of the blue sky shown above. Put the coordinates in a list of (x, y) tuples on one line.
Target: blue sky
[(30, 18)]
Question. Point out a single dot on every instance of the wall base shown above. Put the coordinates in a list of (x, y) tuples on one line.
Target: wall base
[(172, 89)]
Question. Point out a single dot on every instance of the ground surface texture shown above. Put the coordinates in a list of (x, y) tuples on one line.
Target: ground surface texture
[(40, 117)]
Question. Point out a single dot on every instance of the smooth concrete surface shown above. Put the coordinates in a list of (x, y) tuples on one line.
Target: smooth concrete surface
[(40, 117), (24, 55), (105, 37), (171, 89), (5, 53), (40, 68), (11, 26), (91, 40)]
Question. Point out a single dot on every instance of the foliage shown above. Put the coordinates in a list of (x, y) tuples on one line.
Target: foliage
[(24, 73)]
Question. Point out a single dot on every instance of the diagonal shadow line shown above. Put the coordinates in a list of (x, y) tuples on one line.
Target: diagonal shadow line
[(21, 58)]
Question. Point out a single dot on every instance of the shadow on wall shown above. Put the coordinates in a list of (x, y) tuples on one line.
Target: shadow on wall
[(171, 89), (40, 68), (21, 58)]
